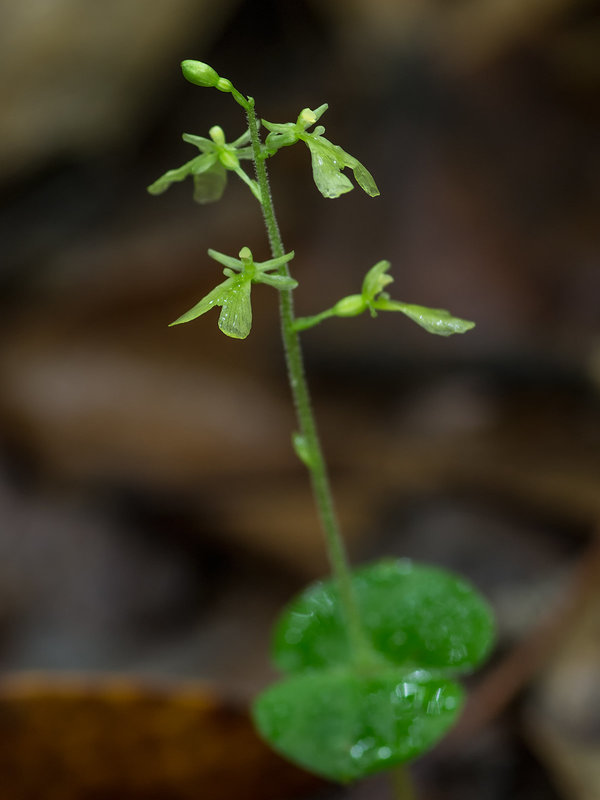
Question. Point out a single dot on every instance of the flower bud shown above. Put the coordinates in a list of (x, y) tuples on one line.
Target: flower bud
[(349, 306), (199, 73)]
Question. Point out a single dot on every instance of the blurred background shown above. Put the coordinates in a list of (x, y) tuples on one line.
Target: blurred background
[(153, 517)]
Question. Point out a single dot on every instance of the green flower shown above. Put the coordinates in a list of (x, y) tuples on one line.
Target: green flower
[(233, 295), (209, 169), (434, 320), (374, 299), (328, 160)]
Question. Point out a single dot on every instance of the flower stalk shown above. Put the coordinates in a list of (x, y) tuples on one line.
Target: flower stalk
[(308, 439)]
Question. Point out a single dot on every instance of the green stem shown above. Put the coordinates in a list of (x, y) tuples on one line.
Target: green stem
[(304, 323), (314, 456)]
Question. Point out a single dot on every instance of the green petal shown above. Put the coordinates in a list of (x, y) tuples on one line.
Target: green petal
[(434, 320), (226, 261), (245, 153), (236, 315), (413, 615), (276, 281), (214, 298), (243, 139), (345, 726), (274, 263), (198, 164), (376, 280), (209, 185), (205, 145), (279, 127), (327, 163), (284, 138), (318, 112), (365, 180)]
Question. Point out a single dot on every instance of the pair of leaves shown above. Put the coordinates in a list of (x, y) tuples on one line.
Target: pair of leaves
[(328, 159), (233, 294), (209, 170), (373, 298), (345, 721)]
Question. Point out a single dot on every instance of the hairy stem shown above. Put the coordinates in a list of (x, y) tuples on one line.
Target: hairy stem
[(314, 460)]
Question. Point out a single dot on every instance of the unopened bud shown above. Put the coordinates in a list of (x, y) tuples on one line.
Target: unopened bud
[(199, 73)]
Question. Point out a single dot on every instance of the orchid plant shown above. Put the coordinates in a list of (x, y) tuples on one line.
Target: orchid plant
[(370, 655)]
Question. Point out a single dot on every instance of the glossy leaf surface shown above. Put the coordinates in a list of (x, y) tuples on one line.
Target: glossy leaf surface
[(344, 726), (413, 615)]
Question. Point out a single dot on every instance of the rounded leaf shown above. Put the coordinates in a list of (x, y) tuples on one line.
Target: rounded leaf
[(344, 725), (413, 615)]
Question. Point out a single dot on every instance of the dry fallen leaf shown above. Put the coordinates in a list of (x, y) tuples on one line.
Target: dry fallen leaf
[(71, 737)]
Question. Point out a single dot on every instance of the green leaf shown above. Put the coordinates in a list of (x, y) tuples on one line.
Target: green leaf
[(413, 616), (344, 726), (434, 320)]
